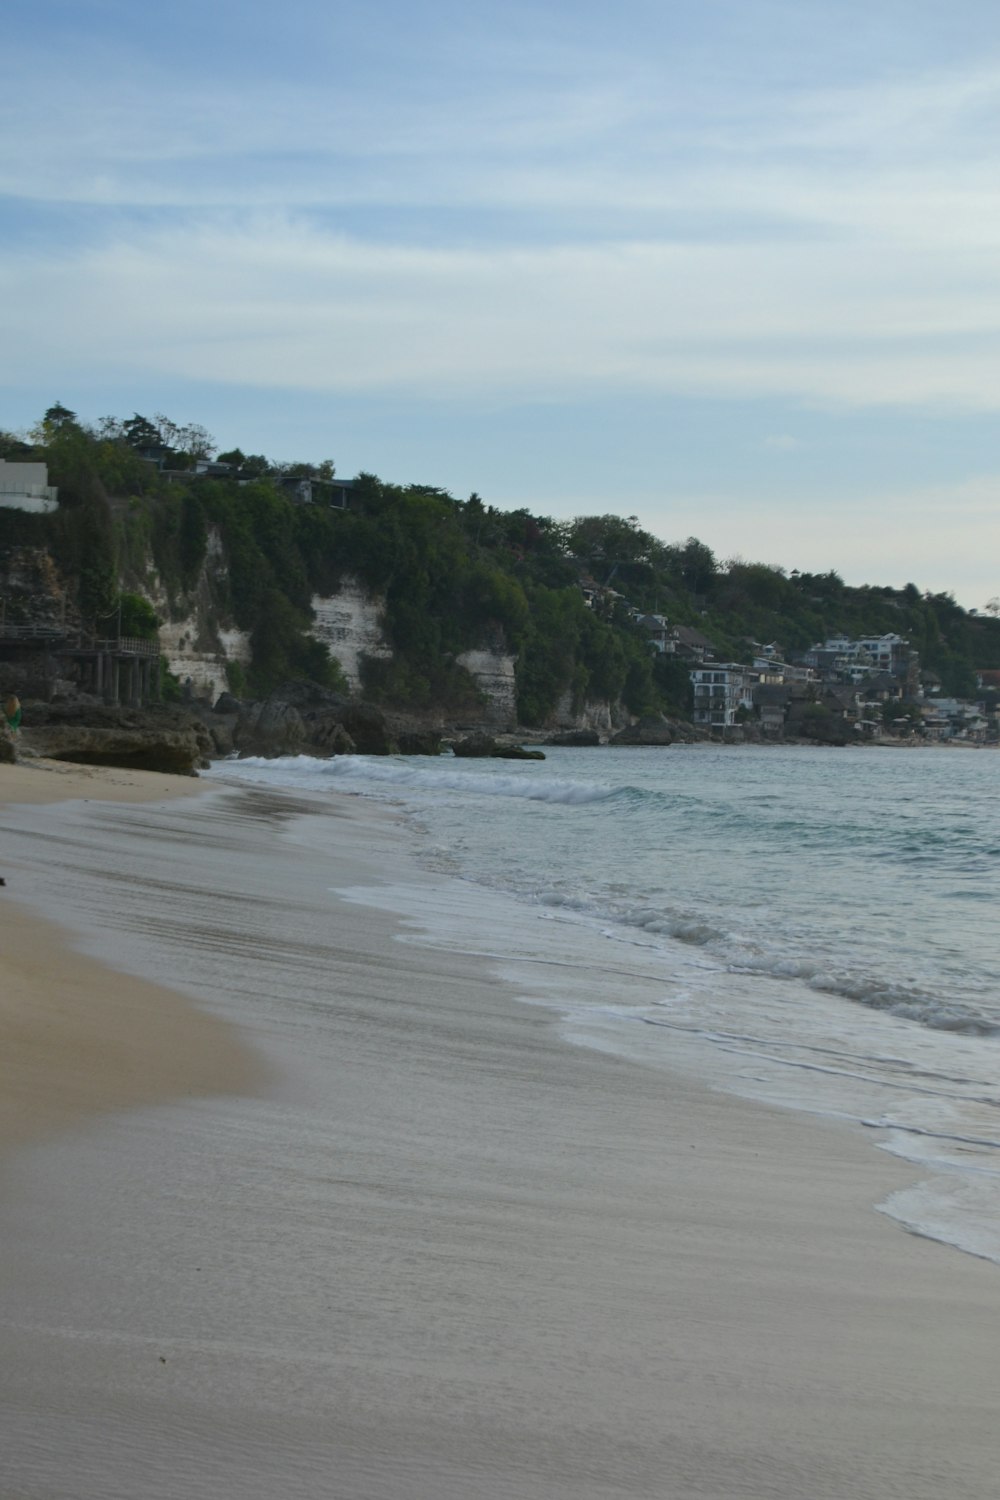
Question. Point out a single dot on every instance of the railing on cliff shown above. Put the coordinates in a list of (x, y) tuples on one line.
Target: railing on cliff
[(130, 645), (76, 640), (32, 632)]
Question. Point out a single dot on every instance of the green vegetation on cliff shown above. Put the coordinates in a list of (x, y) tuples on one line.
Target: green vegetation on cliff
[(454, 575)]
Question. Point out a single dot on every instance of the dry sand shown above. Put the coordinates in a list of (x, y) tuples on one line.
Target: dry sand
[(446, 1256)]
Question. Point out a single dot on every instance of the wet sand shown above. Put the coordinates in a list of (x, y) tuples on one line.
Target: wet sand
[(77, 1038), (439, 1252)]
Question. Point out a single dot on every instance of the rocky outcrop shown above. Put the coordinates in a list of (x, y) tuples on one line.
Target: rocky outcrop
[(304, 719), (484, 747), (271, 728), (517, 752), (474, 746), (328, 736), (34, 591), (155, 739), (367, 726), (419, 742), (301, 719), (651, 729), (575, 737)]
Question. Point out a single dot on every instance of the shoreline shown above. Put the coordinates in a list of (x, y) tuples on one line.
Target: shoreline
[(448, 1252)]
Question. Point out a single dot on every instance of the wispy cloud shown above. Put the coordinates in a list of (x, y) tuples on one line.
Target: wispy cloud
[(791, 243), (282, 302)]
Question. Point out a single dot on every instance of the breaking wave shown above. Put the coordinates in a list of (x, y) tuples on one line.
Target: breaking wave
[(371, 773)]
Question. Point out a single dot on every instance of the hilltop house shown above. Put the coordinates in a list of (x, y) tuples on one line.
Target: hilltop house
[(840, 658), (308, 490), (26, 487), (661, 637), (690, 644)]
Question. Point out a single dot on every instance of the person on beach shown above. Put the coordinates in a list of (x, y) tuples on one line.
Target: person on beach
[(12, 712)]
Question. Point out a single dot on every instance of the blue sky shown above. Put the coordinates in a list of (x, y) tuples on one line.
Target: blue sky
[(730, 266)]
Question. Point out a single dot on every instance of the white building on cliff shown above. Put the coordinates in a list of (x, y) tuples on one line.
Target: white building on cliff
[(26, 487)]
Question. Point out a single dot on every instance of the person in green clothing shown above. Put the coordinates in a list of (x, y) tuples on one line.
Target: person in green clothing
[(12, 712)]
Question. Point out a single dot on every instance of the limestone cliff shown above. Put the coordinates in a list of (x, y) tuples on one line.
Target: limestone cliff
[(209, 654), (349, 624), (198, 642), (493, 673)]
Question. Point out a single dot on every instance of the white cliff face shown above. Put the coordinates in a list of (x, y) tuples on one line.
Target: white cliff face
[(197, 649), (202, 663), (595, 714), (349, 624), (493, 672)]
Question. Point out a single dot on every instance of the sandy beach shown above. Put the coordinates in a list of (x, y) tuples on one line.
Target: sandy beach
[(334, 1213), (76, 1038)]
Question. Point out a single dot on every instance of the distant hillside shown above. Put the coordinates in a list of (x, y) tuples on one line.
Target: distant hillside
[(144, 497)]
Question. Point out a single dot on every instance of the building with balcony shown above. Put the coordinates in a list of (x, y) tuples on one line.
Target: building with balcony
[(721, 689)]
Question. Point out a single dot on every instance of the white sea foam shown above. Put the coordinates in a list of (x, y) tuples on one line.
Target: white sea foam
[(962, 1212), (371, 774)]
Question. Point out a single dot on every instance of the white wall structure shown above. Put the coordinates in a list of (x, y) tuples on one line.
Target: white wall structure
[(349, 625), (26, 487)]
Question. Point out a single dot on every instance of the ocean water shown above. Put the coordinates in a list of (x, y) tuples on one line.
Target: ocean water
[(814, 928)]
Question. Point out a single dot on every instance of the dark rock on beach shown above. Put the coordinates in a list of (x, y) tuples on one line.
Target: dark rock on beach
[(369, 728), (419, 742), (328, 736), (157, 738), (304, 719), (271, 728)]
